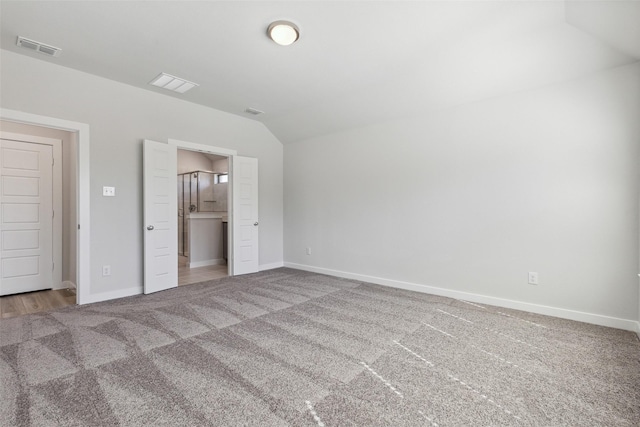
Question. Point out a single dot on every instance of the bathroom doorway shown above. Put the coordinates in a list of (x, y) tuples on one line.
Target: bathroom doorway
[(161, 212), (203, 200)]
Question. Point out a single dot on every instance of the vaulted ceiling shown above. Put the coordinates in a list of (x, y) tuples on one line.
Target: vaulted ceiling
[(356, 63)]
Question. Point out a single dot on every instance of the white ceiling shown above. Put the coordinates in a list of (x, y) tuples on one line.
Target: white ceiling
[(356, 63)]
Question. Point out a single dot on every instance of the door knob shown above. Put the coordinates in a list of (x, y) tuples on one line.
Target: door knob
[(150, 227), (255, 223)]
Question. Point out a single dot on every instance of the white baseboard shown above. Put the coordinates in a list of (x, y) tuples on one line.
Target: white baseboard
[(137, 290), (105, 296), (596, 319), (206, 263), (67, 284), (271, 266)]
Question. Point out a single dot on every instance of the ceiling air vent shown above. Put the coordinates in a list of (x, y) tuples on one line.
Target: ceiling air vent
[(169, 82), (253, 111), (38, 47)]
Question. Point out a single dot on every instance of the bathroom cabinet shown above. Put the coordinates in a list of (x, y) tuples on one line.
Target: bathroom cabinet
[(205, 239)]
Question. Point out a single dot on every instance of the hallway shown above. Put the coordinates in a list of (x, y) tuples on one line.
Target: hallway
[(34, 302)]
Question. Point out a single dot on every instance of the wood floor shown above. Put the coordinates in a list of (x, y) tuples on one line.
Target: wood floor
[(34, 302)]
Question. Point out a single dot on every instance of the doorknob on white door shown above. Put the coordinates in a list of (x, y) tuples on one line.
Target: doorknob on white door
[(150, 227), (255, 223)]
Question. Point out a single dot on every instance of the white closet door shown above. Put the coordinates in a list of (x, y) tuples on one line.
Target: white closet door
[(26, 212)]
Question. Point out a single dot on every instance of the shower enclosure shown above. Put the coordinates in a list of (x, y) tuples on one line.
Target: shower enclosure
[(198, 191)]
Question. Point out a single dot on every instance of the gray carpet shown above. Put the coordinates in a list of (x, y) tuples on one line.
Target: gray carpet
[(291, 348)]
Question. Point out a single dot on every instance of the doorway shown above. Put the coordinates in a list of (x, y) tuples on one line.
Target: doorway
[(161, 219), (203, 215), (39, 196), (82, 211)]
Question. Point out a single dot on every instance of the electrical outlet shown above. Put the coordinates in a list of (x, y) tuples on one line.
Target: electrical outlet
[(533, 278), (308, 250), (109, 191), (106, 270)]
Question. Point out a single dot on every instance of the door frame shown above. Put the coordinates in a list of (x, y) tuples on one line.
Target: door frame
[(56, 144), (83, 195), (209, 149)]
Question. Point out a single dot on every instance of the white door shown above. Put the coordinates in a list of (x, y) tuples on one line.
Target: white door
[(244, 180), (26, 217), (160, 216)]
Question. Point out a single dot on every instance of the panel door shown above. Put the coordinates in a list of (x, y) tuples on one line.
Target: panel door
[(26, 217), (245, 215), (160, 217)]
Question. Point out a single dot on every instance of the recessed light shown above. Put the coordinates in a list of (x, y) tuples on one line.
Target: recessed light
[(283, 32), (173, 83)]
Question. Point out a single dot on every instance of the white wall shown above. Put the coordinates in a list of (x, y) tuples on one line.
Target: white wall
[(69, 162), (120, 117), (189, 161), (221, 165), (470, 199)]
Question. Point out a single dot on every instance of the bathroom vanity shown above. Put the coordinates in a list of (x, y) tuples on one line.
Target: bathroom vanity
[(206, 238)]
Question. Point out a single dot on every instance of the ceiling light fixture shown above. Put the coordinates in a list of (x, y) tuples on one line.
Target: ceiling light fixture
[(169, 82), (283, 32)]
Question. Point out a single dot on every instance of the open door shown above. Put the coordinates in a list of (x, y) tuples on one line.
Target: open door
[(27, 215), (244, 178), (160, 210)]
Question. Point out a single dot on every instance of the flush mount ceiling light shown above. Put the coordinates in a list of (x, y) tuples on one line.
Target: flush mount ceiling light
[(169, 82), (38, 47), (283, 32)]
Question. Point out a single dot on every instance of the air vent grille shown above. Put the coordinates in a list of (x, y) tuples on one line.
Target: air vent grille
[(38, 47), (173, 83), (253, 111)]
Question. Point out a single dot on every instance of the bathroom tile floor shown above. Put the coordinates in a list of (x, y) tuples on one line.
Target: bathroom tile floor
[(187, 276)]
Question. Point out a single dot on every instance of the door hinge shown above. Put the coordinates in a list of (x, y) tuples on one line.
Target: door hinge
[(53, 266)]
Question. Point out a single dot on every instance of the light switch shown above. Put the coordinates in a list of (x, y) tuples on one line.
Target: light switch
[(109, 191)]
